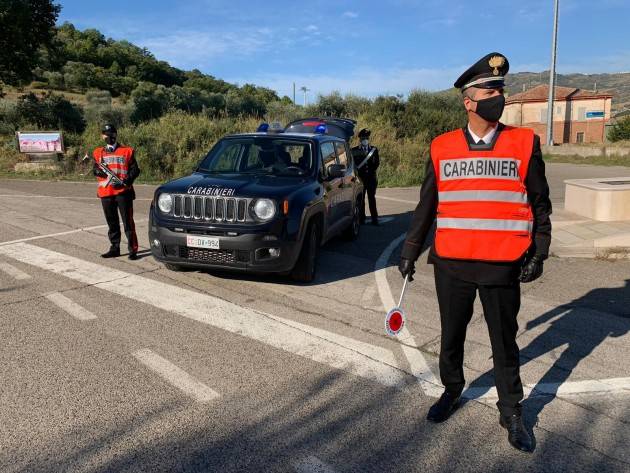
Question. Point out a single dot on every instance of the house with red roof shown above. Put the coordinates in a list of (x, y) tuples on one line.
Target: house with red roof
[(579, 116)]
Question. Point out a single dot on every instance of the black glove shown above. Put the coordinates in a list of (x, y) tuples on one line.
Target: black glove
[(532, 269), (98, 172), (406, 268)]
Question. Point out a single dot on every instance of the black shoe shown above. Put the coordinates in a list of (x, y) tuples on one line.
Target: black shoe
[(518, 437), (442, 410), (112, 253), (133, 256)]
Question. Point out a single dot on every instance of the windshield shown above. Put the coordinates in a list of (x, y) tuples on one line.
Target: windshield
[(259, 155)]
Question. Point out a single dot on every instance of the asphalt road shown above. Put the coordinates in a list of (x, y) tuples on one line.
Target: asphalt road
[(112, 365)]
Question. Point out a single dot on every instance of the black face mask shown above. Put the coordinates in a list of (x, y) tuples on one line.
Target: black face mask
[(490, 109), (110, 140)]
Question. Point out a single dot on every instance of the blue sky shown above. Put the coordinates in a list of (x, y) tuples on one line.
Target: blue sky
[(364, 47)]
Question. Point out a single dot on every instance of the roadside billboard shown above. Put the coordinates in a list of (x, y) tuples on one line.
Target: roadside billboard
[(34, 142)]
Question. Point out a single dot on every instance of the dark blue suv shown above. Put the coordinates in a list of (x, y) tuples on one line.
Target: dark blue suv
[(261, 202)]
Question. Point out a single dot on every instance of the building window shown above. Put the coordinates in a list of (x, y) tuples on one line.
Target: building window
[(582, 113), (579, 137)]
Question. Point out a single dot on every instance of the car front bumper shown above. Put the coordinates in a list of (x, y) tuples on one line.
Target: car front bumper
[(246, 251)]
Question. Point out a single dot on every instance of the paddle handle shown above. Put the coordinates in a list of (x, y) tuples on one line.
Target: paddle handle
[(404, 289)]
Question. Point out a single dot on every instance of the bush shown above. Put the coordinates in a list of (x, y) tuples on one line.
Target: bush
[(36, 84), (620, 130), (49, 112)]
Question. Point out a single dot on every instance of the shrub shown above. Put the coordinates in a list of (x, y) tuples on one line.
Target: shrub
[(49, 112), (620, 130)]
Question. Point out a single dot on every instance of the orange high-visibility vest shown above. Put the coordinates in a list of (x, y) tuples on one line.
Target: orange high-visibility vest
[(118, 161), (483, 212)]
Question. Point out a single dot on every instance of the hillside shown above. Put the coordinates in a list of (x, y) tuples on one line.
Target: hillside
[(617, 84)]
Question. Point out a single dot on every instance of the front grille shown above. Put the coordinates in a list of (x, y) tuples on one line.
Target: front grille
[(214, 256), (210, 209)]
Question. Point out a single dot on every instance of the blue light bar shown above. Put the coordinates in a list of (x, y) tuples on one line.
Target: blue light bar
[(321, 129), (263, 128)]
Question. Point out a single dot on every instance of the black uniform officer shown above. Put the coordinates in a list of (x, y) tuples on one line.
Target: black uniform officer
[(367, 165), (117, 195), (458, 280)]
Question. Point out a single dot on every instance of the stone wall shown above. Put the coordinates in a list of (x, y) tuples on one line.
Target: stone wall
[(586, 151)]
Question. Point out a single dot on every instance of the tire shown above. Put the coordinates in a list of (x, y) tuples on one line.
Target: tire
[(173, 267), (306, 265), (352, 232)]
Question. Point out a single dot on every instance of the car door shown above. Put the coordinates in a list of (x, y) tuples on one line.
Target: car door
[(343, 157), (333, 187)]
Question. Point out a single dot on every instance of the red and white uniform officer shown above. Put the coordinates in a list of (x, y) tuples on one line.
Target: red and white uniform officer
[(486, 191), (117, 197)]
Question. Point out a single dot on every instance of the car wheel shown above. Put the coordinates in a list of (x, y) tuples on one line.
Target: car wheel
[(304, 270), (352, 232), (173, 267)]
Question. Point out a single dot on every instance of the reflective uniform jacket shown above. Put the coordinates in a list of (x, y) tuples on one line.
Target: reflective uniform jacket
[(121, 162), (421, 227), (483, 212)]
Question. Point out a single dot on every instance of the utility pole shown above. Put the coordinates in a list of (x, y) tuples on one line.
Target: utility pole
[(294, 93), (304, 89), (552, 75)]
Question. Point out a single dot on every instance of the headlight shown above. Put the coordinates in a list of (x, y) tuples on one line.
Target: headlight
[(165, 203), (264, 209)]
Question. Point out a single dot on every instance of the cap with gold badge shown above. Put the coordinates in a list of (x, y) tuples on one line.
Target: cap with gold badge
[(487, 73)]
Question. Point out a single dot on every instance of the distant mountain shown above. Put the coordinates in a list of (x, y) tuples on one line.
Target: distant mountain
[(617, 84)]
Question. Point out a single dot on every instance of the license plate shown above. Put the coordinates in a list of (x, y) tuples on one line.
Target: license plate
[(194, 241)]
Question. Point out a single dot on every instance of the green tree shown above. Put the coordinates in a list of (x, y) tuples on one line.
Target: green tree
[(620, 130), (49, 112), (25, 26), (149, 101)]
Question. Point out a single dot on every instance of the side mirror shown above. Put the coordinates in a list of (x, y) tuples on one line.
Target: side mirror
[(336, 170)]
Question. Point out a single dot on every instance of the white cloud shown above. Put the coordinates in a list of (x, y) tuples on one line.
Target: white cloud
[(350, 14), (366, 82), (311, 29), (195, 47)]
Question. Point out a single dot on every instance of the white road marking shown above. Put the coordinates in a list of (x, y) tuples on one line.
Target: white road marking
[(432, 386), (312, 464), (14, 272), (589, 386), (417, 363), (176, 376), (317, 345), (69, 232), (71, 307), (393, 199)]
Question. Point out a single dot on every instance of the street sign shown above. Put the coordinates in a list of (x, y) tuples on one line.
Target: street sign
[(596, 114), (39, 142)]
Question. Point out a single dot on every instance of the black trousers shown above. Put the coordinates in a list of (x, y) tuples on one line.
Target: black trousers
[(501, 304), (122, 203), (370, 184)]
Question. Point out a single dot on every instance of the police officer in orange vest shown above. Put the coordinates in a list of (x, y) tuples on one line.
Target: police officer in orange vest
[(486, 191), (117, 195)]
